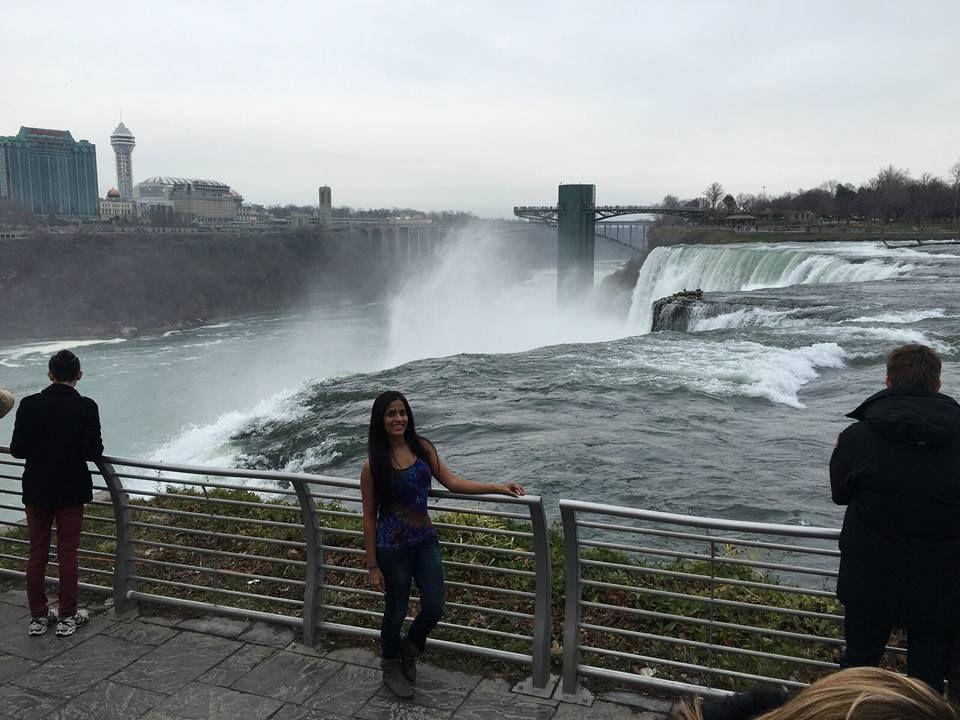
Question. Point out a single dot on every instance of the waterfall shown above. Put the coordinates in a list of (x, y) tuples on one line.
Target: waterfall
[(738, 268)]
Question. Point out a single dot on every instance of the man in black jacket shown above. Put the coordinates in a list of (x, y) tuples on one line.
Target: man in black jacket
[(898, 471), (57, 431)]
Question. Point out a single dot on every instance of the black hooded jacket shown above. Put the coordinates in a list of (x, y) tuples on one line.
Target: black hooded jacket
[(898, 471)]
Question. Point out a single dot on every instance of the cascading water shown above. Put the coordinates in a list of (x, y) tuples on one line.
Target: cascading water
[(736, 268), (733, 415)]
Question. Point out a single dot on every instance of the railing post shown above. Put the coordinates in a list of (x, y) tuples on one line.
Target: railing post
[(124, 563), (313, 590), (543, 612), (571, 618), (712, 613)]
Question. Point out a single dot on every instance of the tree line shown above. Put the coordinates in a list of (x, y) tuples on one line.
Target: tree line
[(891, 196)]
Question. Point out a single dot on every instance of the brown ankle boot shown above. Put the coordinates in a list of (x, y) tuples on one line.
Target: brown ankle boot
[(394, 678), (408, 658)]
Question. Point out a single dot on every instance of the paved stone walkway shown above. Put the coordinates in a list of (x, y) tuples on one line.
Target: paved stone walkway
[(158, 668)]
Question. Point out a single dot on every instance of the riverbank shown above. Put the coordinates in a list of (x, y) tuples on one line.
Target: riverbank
[(125, 284), (692, 235)]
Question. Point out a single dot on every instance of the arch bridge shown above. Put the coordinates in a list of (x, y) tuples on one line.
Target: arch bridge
[(576, 216)]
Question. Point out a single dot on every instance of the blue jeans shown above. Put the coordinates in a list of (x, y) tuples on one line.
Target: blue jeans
[(420, 562)]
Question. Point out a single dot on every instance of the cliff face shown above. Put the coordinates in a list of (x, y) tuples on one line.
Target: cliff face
[(87, 284)]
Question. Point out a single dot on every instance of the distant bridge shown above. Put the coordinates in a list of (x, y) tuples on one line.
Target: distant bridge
[(404, 242), (576, 216), (550, 215)]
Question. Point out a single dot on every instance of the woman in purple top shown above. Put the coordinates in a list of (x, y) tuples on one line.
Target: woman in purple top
[(400, 542)]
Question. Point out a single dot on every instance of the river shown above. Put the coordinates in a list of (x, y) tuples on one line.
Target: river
[(734, 415)]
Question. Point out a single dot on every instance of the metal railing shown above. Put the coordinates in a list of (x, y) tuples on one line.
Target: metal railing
[(687, 604), (672, 602), (287, 547)]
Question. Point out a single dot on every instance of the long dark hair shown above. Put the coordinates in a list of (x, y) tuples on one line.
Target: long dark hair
[(378, 446)]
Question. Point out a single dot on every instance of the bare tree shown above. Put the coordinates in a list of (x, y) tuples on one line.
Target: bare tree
[(890, 186), (713, 193), (830, 186), (955, 181)]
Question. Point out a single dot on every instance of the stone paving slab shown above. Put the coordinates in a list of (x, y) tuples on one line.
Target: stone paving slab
[(355, 656), (141, 633), (23, 704), (600, 711), (198, 701), (439, 693), (13, 613), (158, 620), (261, 633), (492, 700), (387, 707), (298, 712), (443, 689), (644, 703), (12, 667), (287, 676), (109, 701), (237, 665), (73, 672), (224, 627), (157, 669), (15, 597), (347, 691), (48, 646), (177, 662)]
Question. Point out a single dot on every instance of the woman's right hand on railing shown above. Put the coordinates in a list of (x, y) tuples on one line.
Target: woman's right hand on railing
[(375, 578)]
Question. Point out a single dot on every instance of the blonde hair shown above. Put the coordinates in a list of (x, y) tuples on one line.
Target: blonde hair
[(6, 402), (865, 693)]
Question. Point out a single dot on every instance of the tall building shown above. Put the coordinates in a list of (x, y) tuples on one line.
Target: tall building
[(325, 210), (47, 172), (123, 142), (193, 200)]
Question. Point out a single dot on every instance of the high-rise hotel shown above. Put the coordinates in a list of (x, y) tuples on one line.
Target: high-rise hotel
[(47, 172)]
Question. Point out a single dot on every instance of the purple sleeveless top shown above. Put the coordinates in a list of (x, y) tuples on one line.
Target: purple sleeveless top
[(404, 520)]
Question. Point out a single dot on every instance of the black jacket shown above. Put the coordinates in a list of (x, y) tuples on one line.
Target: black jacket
[(898, 471), (57, 431)]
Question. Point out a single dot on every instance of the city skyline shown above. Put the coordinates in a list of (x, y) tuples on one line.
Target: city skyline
[(481, 107)]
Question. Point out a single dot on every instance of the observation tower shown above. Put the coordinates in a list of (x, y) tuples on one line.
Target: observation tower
[(123, 142)]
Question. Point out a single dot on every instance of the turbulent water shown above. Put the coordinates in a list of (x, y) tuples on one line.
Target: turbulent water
[(734, 416)]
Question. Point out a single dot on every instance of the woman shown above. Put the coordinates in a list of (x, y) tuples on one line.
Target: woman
[(400, 542), (863, 693)]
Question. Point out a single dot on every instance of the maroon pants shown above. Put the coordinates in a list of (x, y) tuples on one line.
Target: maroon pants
[(69, 523)]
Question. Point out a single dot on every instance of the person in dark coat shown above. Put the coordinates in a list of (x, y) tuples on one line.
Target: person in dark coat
[(6, 402), (56, 431), (897, 469)]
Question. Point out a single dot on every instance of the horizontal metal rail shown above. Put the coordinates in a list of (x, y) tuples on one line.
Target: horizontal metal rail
[(691, 604), (226, 540), (221, 545)]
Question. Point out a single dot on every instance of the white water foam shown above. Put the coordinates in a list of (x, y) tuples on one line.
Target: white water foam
[(210, 444), (728, 369), (11, 357), (901, 318), (745, 318), (668, 270), (783, 321)]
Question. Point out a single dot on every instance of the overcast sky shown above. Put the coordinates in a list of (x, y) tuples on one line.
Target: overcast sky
[(483, 105)]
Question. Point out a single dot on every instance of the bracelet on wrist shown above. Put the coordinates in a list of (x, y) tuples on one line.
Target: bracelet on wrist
[(373, 567)]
